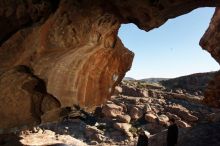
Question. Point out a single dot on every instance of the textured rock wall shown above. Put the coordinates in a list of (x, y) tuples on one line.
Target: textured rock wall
[(24, 100), (212, 92), (77, 55), (210, 42), (16, 14), (72, 49)]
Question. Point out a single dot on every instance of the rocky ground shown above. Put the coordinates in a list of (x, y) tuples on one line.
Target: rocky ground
[(135, 104)]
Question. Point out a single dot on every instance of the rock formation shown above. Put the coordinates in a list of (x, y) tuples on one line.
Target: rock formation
[(72, 49), (210, 42)]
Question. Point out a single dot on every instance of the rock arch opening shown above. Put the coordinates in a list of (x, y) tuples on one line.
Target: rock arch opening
[(172, 50)]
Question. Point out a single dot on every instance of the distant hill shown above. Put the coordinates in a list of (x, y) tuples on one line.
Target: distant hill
[(153, 80), (191, 83), (128, 79)]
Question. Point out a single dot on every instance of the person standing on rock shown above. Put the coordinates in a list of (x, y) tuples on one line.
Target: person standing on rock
[(142, 138), (172, 134)]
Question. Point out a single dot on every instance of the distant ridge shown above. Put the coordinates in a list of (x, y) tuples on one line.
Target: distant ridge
[(202, 77), (128, 79), (154, 80), (191, 83)]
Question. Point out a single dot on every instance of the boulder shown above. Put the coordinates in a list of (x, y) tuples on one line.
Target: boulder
[(118, 90), (123, 106), (136, 113), (151, 93), (124, 118), (154, 128), (183, 113), (94, 142), (112, 110), (147, 108), (98, 137), (169, 115), (150, 117), (145, 93), (163, 119), (124, 127), (131, 91), (179, 91), (182, 124), (93, 133), (144, 100), (90, 131)]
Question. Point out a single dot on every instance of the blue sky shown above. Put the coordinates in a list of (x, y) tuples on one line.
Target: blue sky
[(171, 50)]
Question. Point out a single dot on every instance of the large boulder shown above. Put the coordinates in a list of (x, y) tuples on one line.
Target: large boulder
[(182, 112), (150, 117), (112, 110), (154, 128), (118, 90), (170, 115), (124, 118), (163, 119), (132, 91), (182, 124), (122, 126), (136, 113), (91, 130)]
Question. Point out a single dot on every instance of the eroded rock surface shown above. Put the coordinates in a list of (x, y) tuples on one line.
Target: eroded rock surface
[(210, 42), (26, 100)]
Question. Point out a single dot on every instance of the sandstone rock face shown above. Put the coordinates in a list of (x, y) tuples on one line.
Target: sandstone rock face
[(26, 93), (210, 42), (72, 46), (16, 14), (212, 92), (60, 52)]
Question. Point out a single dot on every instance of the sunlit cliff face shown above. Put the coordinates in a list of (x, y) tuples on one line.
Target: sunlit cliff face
[(58, 54)]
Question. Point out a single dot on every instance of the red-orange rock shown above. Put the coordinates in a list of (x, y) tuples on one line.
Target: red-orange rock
[(24, 101)]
